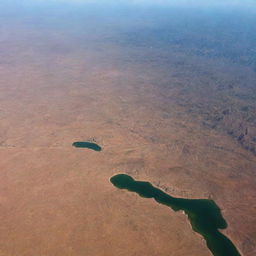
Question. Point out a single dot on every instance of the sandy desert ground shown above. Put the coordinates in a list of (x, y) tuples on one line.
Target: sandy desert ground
[(151, 110)]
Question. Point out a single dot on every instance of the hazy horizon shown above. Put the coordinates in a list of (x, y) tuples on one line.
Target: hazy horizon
[(156, 91)]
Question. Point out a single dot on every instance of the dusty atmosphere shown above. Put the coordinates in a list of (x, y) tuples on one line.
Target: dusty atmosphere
[(169, 96)]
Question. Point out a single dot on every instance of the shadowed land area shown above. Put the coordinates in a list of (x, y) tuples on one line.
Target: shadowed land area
[(204, 215), (86, 144)]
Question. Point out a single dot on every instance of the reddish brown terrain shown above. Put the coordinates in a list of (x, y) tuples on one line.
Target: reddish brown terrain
[(165, 115)]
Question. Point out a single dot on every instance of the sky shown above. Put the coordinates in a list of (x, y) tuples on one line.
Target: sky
[(152, 2)]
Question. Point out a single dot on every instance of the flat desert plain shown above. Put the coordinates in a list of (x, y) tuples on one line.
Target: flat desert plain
[(161, 113)]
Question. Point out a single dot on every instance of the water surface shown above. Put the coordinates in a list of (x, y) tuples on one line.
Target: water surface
[(204, 215), (86, 144)]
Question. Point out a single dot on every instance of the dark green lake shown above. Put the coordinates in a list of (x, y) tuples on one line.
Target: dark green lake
[(85, 144), (204, 215)]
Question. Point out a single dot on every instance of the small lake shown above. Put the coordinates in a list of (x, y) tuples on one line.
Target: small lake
[(204, 215), (86, 144)]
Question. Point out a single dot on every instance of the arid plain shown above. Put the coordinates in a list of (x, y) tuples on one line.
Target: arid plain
[(162, 112)]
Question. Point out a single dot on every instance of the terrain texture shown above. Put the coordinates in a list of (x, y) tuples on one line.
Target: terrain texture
[(176, 114)]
